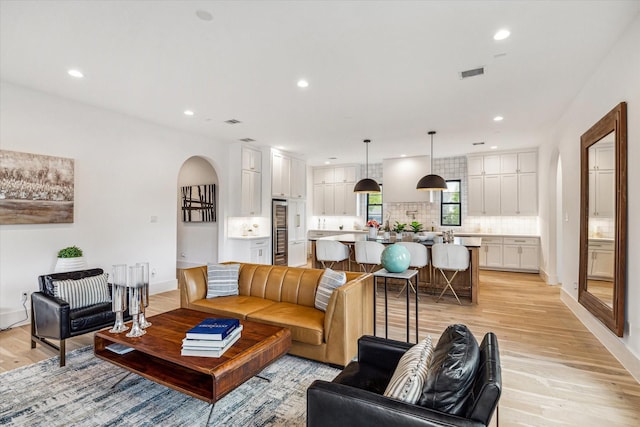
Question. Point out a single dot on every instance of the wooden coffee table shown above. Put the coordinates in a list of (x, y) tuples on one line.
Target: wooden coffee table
[(156, 355)]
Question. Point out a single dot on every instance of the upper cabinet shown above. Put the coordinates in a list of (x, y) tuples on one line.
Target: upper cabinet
[(333, 190), (251, 182), (288, 176), (503, 183)]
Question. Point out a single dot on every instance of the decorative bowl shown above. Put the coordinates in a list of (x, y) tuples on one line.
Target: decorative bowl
[(426, 235)]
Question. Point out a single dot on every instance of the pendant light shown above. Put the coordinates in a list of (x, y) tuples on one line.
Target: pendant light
[(366, 185), (431, 182)]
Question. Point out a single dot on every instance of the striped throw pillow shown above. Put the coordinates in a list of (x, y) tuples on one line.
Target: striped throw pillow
[(330, 280), (411, 373), (83, 292), (222, 280)]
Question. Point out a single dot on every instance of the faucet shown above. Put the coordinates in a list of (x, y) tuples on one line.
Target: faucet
[(412, 214)]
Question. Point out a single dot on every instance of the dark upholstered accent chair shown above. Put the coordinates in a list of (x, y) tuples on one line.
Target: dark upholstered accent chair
[(356, 396), (52, 318)]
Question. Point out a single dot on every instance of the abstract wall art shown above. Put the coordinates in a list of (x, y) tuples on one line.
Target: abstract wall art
[(199, 203)]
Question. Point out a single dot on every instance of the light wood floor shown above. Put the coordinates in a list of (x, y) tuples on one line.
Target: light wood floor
[(554, 371)]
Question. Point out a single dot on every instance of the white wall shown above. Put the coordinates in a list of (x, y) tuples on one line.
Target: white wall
[(126, 171), (197, 241), (616, 80)]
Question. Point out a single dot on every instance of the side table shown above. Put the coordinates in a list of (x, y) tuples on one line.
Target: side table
[(406, 275)]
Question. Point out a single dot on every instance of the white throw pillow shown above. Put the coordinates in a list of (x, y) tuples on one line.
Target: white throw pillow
[(222, 280), (83, 292), (411, 373), (330, 280)]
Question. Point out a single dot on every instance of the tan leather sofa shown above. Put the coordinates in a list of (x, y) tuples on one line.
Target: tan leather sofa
[(285, 296)]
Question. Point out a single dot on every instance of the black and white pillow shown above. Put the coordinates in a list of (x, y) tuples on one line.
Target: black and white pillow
[(330, 280), (222, 280), (83, 292), (410, 374)]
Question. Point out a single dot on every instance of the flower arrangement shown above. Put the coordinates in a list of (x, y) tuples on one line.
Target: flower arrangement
[(373, 223)]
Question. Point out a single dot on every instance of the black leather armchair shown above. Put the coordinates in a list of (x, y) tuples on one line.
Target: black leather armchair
[(52, 318), (355, 397)]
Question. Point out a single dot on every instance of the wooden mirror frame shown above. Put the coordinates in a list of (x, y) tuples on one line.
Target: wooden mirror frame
[(614, 121)]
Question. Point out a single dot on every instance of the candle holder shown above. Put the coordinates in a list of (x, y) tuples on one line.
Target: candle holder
[(144, 323), (135, 284), (119, 297)]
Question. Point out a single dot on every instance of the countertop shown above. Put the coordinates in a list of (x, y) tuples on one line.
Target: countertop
[(470, 242), (248, 237)]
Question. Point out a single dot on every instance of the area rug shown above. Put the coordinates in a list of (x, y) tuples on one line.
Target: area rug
[(80, 394)]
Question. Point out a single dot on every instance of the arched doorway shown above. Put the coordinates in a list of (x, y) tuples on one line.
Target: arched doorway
[(197, 242)]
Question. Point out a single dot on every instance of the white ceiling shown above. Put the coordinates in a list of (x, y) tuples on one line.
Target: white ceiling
[(384, 70)]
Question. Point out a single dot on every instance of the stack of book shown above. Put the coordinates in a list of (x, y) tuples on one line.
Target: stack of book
[(211, 337)]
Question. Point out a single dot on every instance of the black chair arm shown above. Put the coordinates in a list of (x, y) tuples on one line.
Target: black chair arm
[(380, 352), (50, 316), (332, 404)]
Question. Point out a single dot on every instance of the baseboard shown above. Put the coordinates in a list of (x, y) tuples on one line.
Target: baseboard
[(611, 342), (169, 285), (11, 317), (549, 280)]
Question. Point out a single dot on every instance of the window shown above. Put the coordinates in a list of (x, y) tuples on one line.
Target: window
[(451, 207), (374, 206)]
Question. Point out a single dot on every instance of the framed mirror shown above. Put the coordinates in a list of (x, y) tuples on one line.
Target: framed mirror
[(603, 218)]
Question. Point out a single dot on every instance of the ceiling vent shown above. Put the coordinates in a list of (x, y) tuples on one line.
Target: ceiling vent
[(477, 143), (248, 140), (472, 73), (232, 121)]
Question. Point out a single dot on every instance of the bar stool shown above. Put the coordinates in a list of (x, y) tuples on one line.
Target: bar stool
[(452, 258), (368, 255), (330, 251), (419, 259)]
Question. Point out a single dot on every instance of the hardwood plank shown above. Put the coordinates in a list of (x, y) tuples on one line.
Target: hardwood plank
[(555, 372)]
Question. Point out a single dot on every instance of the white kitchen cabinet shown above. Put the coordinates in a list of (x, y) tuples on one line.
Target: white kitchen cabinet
[(518, 194), (259, 251), (333, 190), (251, 159), (601, 156), (298, 179), (491, 252), (297, 220), (484, 195), (297, 255), (521, 253), (251, 193), (600, 259), (483, 164), (251, 182), (525, 162), (344, 199), (323, 199), (601, 193), (280, 175)]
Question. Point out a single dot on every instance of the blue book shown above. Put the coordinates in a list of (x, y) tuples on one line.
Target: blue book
[(213, 329)]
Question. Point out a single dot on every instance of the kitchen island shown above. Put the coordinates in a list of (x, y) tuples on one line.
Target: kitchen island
[(466, 285)]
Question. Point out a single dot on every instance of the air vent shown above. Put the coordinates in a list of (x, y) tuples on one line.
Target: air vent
[(472, 73), (232, 121), (248, 140), (478, 143)]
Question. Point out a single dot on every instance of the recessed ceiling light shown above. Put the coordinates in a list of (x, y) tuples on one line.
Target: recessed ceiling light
[(494, 147), (498, 118), (188, 113), (204, 15), (502, 34), (403, 155), (303, 83), (327, 162), (75, 73), (280, 147)]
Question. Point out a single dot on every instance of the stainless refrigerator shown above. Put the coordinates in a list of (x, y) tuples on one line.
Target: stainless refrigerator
[(279, 232)]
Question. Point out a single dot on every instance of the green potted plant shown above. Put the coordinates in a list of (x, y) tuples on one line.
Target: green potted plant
[(399, 227), (416, 226), (70, 259)]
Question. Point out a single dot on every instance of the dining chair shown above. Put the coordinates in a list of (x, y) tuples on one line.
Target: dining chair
[(450, 257)]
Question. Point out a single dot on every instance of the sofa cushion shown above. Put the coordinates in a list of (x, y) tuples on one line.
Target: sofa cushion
[(83, 292), (410, 374), (232, 306), (222, 280), (452, 371), (306, 323), (91, 317), (330, 280), (364, 376)]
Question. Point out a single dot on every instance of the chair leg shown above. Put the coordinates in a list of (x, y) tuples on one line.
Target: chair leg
[(63, 360), (448, 286)]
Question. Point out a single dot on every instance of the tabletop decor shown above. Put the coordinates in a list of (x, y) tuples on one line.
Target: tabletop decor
[(136, 285), (70, 259), (144, 323), (119, 298), (373, 228), (395, 258)]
